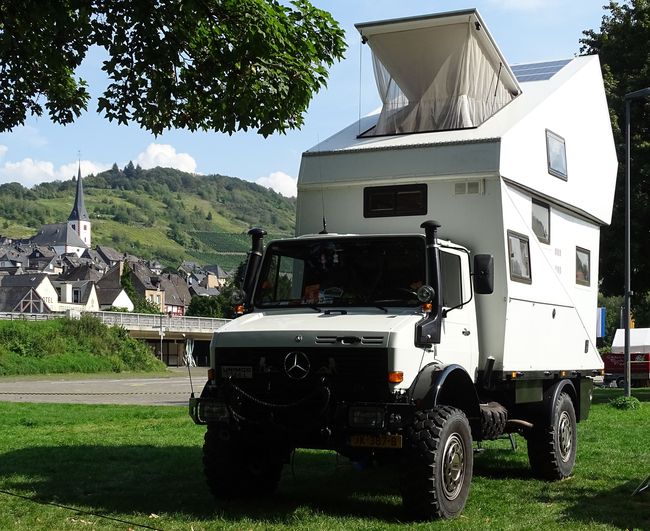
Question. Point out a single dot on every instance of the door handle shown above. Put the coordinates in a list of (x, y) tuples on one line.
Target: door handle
[(466, 332)]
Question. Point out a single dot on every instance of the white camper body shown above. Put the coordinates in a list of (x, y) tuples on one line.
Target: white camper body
[(371, 333), (481, 185)]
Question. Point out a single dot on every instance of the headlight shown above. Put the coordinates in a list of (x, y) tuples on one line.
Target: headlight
[(366, 417)]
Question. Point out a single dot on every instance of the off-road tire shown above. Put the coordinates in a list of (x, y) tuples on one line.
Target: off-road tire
[(237, 467), (438, 464), (552, 448), (493, 420)]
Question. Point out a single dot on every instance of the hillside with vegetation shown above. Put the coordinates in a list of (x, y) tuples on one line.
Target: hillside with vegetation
[(160, 213)]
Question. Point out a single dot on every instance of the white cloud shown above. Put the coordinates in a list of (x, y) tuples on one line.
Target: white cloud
[(165, 156), (29, 172), (3, 150), (280, 182)]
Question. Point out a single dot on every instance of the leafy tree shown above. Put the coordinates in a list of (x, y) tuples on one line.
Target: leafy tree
[(219, 65), (205, 307), (129, 170), (623, 44)]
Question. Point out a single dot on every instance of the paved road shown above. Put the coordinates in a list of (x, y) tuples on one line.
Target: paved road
[(171, 391)]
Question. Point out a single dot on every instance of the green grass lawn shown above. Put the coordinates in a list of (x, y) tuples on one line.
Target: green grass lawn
[(128, 467)]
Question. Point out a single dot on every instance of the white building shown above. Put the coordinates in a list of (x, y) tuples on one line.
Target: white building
[(78, 220)]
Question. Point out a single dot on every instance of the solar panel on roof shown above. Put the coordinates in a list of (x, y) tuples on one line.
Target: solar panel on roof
[(538, 71)]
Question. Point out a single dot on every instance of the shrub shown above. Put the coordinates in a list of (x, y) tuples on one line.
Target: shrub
[(625, 402)]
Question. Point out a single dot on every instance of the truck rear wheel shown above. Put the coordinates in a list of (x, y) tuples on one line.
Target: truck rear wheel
[(552, 448), (438, 464), (236, 467)]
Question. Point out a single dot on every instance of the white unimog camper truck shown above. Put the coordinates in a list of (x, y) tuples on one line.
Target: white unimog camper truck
[(380, 333)]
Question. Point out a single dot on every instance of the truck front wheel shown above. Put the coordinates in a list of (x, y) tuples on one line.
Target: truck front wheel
[(552, 448), (236, 466), (438, 463)]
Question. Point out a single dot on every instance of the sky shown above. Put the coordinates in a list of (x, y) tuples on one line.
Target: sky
[(525, 31)]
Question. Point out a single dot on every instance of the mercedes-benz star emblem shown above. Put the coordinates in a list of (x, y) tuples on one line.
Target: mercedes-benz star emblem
[(296, 365)]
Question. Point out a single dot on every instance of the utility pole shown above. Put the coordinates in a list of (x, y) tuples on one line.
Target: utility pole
[(636, 95)]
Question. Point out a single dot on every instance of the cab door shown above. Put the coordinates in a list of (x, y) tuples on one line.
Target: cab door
[(459, 336)]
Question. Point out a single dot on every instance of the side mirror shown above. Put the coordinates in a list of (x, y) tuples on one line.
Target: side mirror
[(484, 274)]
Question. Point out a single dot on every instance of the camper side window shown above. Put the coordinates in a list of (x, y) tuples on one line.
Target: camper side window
[(389, 201), (452, 291), (542, 221), (583, 273), (519, 253), (556, 155)]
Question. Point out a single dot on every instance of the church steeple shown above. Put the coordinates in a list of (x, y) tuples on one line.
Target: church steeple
[(79, 209), (78, 220)]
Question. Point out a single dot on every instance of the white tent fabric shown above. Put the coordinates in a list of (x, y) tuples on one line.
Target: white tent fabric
[(639, 341), (438, 77)]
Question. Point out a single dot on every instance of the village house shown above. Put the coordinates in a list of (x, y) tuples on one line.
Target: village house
[(110, 292)]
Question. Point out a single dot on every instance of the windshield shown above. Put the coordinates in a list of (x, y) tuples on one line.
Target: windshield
[(359, 271)]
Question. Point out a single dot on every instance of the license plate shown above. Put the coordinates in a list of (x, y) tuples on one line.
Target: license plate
[(233, 371), (376, 441)]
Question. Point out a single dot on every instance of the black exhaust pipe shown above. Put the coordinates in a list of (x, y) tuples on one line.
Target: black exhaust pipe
[(253, 263)]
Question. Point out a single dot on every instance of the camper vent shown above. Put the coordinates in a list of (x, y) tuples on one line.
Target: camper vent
[(469, 188)]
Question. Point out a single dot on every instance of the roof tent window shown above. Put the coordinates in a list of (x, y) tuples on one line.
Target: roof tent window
[(556, 155), (437, 72), (388, 201)]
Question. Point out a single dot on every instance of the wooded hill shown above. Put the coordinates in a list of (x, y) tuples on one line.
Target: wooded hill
[(160, 213)]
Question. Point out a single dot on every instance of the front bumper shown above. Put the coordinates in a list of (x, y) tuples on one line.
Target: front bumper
[(358, 424)]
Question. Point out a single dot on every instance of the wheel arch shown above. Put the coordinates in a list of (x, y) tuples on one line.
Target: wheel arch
[(553, 393), (449, 385)]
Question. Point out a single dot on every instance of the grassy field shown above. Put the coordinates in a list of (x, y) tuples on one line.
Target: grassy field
[(128, 467)]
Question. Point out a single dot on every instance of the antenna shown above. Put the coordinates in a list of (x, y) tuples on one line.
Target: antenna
[(363, 41), (322, 194)]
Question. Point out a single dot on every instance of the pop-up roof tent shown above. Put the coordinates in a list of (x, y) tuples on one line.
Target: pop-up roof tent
[(639, 341), (437, 72)]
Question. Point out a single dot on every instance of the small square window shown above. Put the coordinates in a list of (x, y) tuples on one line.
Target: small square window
[(556, 155), (583, 266), (542, 221), (519, 257)]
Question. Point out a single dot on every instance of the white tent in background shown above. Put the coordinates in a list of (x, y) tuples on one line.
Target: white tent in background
[(639, 341)]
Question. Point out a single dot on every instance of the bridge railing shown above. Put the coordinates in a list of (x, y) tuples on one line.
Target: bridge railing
[(144, 321), (131, 321)]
